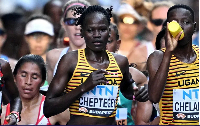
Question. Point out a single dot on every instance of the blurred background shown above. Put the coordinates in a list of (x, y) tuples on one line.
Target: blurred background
[(14, 14)]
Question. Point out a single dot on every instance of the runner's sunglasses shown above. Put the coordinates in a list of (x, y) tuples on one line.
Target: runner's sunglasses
[(70, 21)]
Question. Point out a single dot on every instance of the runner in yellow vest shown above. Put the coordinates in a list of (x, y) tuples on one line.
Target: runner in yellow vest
[(91, 77), (174, 72)]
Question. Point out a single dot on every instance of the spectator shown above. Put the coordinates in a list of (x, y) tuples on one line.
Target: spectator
[(130, 24), (53, 9), (3, 36), (158, 15), (14, 24), (39, 34)]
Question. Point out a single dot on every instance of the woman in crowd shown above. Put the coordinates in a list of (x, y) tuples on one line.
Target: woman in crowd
[(30, 75), (3, 37)]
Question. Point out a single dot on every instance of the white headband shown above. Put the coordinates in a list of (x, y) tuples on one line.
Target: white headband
[(39, 25)]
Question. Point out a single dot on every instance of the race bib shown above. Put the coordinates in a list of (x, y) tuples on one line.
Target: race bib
[(121, 116), (186, 104), (99, 101)]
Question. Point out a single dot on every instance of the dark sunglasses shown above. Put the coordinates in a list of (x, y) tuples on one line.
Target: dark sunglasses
[(2, 32), (70, 21), (157, 22), (128, 20)]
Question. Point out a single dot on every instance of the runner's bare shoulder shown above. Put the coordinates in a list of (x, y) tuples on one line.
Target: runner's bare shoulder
[(70, 59), (54, 54)]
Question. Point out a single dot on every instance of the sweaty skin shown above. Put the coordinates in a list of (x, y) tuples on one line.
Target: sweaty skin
[(94, 29), (159, 62)]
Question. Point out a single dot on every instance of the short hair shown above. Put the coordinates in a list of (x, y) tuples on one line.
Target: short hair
[(181, 6), (68, 6), (160, 35), (83, 11), (33, 59), (160, 4), (115, 29), (39, 16)]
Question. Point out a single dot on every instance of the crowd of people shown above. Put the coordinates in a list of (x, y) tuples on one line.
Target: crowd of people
[(89, 65)]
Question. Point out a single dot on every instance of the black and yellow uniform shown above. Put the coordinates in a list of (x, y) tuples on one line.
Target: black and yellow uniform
[(100, 102), (179, 104)]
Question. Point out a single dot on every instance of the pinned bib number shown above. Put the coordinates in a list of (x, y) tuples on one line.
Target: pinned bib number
[(186, 104), (100, 101), (121, 116)]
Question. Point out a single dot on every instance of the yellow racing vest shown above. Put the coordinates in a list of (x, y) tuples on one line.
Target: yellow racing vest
[(179, 104), (100, 102)]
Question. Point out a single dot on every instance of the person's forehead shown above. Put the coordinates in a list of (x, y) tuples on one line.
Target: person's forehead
[(95, 15), (95, 18), (180, 12), (70, 14), (30, 64), (183, 10), (160, 12)]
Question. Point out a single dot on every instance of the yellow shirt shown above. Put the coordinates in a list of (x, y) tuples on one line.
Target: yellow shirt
[(100, 102), (179, 104)]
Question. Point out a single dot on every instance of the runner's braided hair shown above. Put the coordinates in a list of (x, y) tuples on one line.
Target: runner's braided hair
[(115, 29), (83, 12)]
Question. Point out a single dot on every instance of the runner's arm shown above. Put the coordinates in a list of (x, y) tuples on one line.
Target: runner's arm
[(143, 114), (12, 91), (139, 78), (126, 83), (61, 118), (158, 67), (54, 102)]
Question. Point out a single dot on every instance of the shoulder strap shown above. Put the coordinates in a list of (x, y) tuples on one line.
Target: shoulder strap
[(63, 52), (40, 116)]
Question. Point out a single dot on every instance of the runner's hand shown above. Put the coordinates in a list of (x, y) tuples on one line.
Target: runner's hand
[(142, 94), (11, 119), (94, 79), (170, 41)]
